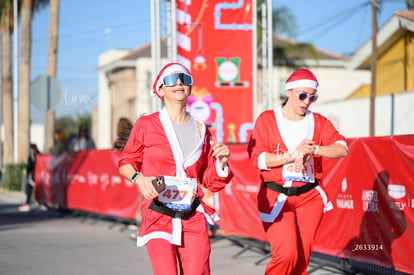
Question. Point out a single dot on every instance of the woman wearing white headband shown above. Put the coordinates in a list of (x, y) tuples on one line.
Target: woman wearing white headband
[(173, 144), (286, 145)]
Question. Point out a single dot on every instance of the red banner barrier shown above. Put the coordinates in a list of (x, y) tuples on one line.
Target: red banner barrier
[(372, 191), (373, 195), (238, 201), (87, 181)]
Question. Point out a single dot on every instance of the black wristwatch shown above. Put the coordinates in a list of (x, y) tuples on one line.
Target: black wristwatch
[(134, 177)]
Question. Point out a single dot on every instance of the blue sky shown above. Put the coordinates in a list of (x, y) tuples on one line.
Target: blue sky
[(89, 28)]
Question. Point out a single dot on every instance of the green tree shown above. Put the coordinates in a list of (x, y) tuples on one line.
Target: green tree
[(67, 124), (289, 53), (70, 126), (284, 22), (85, 118), (409, 4)]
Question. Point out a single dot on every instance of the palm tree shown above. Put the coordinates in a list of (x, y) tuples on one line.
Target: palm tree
[(284, 22), (24, 114), (26, 9), (53, 38), (6, 25), (409, 4), (51, 64), (290, 53)]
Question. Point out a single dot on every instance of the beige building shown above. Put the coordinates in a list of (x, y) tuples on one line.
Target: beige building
[(125, 82)]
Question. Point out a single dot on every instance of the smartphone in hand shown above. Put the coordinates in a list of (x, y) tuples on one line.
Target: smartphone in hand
[(159, 184)]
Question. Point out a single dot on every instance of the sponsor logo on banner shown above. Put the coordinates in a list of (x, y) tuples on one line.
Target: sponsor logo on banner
[(370, 201), (228, 72), (344, 200), (44, 178), (397, 193)]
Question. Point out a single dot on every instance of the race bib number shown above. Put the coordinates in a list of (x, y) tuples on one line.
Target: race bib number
[(292, 172), (179, 193)]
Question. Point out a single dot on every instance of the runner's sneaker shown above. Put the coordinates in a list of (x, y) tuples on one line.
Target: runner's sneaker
[(24, 208)]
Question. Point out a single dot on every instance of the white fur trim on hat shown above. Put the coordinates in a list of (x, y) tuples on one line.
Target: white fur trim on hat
[(300, 79), (302, 83), (167, 70)]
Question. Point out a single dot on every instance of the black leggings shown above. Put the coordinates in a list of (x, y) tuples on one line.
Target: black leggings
[(29, 191)]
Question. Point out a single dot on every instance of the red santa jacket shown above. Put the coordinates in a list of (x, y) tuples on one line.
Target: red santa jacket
[(153, 149), (270, 136)]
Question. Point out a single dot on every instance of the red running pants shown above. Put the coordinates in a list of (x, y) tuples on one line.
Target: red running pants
[(193, 255), (292, 234)]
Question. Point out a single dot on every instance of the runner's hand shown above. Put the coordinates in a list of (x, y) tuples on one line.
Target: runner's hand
[(146, 187), (221, 152)]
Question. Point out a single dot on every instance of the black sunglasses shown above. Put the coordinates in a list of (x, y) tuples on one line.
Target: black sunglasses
[(171, 80), (303, 96)]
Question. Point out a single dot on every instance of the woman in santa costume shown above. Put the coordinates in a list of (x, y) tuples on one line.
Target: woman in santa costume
[(286, 145), (173, 144)]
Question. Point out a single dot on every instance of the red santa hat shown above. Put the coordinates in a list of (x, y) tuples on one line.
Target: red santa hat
[(167, 70), (300, 79)]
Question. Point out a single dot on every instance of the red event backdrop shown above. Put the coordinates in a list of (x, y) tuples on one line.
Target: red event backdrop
[(372, 191), (373, 195), (215, 41), (86, 181), (238, 201)]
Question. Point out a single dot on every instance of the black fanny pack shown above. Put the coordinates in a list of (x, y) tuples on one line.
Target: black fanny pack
[(290, 191), (185, 215)]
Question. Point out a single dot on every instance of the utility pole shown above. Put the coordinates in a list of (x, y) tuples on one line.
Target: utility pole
[(373, 68)]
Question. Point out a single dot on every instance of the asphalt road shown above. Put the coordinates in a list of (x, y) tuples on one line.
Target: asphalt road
[(50, 242)]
